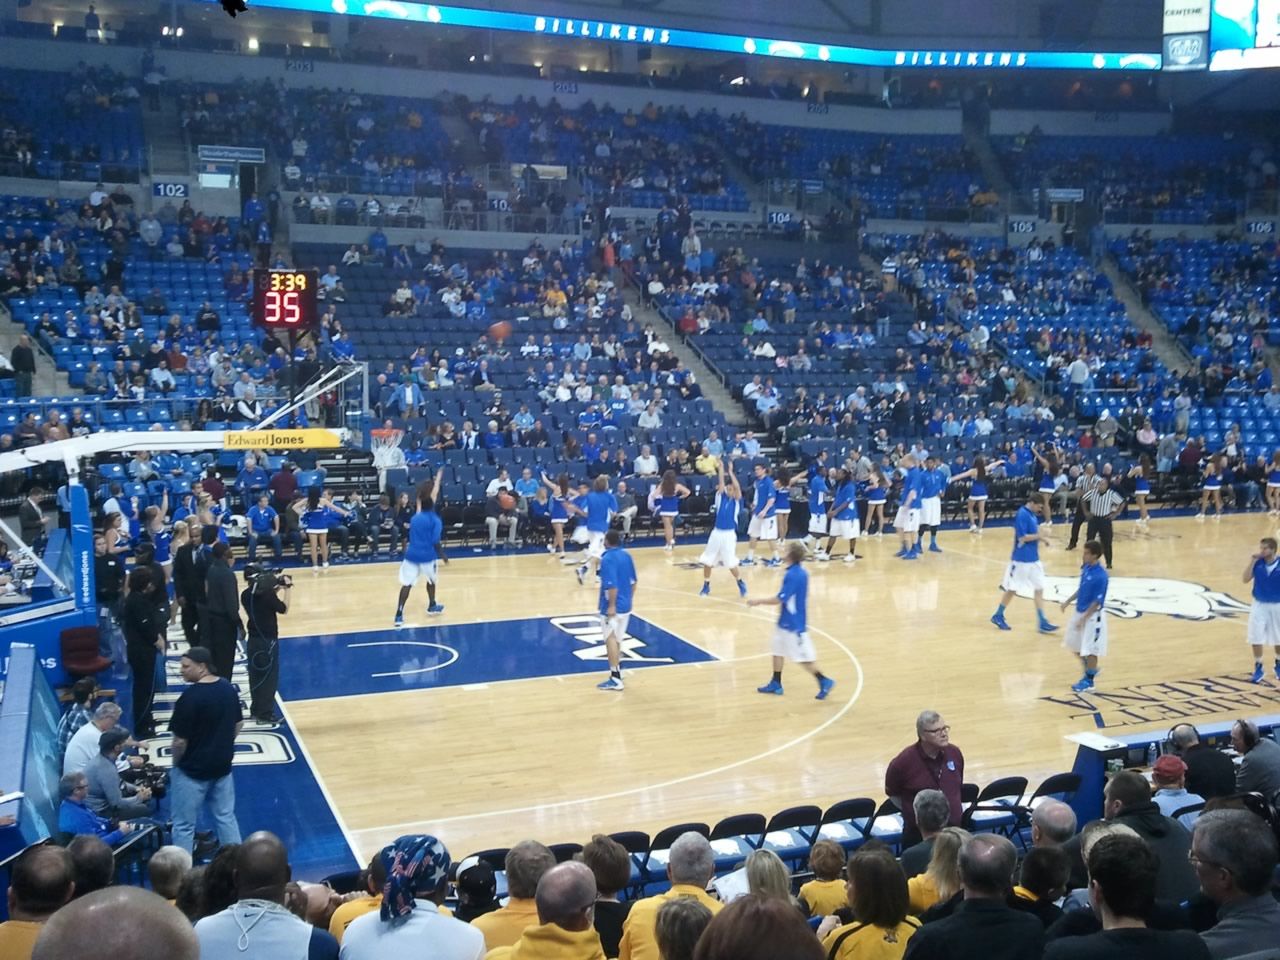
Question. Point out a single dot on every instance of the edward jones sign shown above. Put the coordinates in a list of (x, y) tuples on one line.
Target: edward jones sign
[(279, 439)]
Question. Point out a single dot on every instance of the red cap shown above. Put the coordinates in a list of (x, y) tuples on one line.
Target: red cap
[(1169, 768)]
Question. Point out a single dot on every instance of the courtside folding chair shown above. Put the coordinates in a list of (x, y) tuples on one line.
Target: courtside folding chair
[(846, 822), (733, 838), (1059, 786), (790, 834), (996, 808)]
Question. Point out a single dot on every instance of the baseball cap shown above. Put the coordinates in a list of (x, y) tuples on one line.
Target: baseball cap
[(1169, 768), (112, 738), (476, 879)]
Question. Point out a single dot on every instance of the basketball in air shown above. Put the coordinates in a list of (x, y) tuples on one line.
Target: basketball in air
[(500, 330), (505, 500)]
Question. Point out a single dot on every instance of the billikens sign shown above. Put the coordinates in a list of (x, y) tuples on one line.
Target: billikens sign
[(285, 299)]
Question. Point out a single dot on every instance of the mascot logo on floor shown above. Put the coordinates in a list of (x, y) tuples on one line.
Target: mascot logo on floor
[(1131, 597)]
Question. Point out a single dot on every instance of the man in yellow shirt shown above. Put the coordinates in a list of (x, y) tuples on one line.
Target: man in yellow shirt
[(526, 862), (375, 878), (691, 864), (566, 930), (43, 879)]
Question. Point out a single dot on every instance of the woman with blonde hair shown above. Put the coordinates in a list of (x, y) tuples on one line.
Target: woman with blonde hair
[(768, 876), (941, 879)]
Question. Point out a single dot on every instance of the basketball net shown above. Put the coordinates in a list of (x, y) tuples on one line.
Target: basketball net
[(384, 444)]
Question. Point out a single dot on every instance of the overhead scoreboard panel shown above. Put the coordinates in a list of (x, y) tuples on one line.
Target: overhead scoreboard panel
[(285, 300)]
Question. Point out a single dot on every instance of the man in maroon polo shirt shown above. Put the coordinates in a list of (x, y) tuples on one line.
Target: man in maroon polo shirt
[(931, 763), (283, 486)]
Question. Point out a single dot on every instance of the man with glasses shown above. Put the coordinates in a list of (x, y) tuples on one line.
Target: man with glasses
[(76, 819), (566, 900), (1234, 856), (933, 762)]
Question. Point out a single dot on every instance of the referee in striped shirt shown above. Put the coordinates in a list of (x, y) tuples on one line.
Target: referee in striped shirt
[(1086, 483), (1102, 505)]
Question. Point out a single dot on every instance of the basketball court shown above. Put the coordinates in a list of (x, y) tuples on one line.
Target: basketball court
[(484, 725)]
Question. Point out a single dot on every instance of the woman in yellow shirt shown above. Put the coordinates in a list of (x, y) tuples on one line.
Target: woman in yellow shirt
[(941, 879), (878, 895)]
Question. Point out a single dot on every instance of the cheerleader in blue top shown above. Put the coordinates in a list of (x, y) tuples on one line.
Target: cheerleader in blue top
[(315, 516), (1048, 476), (877, 493), (977, 504), (1273, 484), (561, 497), (1140, 474), (669, 494), (156, 531), (1211, 490)]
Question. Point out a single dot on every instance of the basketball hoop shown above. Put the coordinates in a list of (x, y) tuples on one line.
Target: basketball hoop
[(384, 444)]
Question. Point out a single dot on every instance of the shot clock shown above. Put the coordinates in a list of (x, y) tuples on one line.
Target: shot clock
[(285, 300)]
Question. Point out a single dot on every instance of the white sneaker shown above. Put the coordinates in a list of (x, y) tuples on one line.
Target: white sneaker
[(849, 558), (1200, 516), (821, 555), (551, 548), (879, 534), (973, 528)]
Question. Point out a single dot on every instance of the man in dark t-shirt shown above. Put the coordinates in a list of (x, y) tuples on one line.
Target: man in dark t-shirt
[(265, 598), (206, 720)]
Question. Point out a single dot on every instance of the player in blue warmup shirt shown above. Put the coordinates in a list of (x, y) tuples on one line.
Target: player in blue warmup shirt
[(263, 522), (599, 505), (932, 482), (425, 547), (1264, 616), (617, 594), (722, 544), (907, 519), (764, 521), (842, 517), (1025, 573), (1086, 634), (791, 637), (817, 513)]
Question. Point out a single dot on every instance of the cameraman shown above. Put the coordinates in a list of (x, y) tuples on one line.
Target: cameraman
[(265, 597)]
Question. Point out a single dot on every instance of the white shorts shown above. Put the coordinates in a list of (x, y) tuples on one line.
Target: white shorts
[(1264, 624), (907, 521), (317, 533), (615, 626), (580, 535), (846, 529), (721, 549), (796, 647), (763, 528), (410, 572), (1087, 636), (931, 511), (1023, 577), (782, 512), (981, 499), (595, 543), (818, 523)]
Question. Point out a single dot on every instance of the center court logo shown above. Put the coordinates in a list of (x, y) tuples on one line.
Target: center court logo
[(1131, 597)]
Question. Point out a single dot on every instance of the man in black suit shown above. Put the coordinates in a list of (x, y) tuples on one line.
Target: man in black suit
[(220, 616), (1210, 772), (983, 926), (31, 524), (188, 580)]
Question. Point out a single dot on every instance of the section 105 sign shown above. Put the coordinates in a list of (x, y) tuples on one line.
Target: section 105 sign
[(285, 299)]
